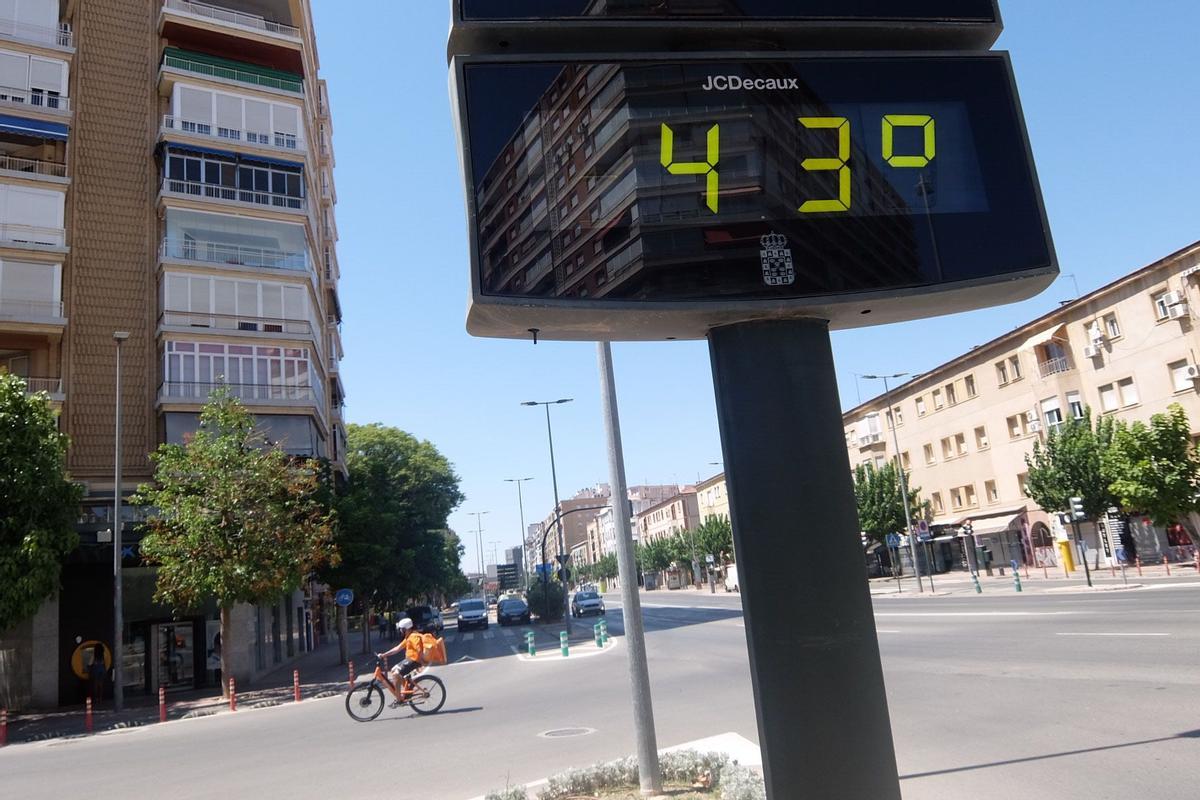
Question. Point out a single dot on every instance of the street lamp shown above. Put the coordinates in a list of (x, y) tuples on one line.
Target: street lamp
[(912, 536), (562, 542), (479, 543), (521, 506), (118, 622)]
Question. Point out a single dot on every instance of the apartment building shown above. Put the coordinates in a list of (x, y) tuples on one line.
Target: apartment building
[(166, 170), (664, 519), (1128, 349), (712, 497), (577, 512)]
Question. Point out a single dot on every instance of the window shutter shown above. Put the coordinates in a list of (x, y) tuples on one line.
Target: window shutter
[(229, 112), (272, 301), (247, 299), (195, 105), (200, 294), (28, 282), (14, 71), (47, 74), (177, 293), (286, 119), (258, 116), (293, 303), (224, 297)]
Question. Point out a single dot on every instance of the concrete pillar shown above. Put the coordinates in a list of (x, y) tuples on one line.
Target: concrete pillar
[(45, 654)]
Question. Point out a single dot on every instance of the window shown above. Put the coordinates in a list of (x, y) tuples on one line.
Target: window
[(956, 498), (960, 444), (1014, 367), (947, 448), (951, 394), (938, 400), (1052, 414), (989, 489), (920, 406), (1075, 404), (1018, 426), (898, 416), (1129, 395), (969, 496), (905, 461), (929, 459), (981, 438), (1108, 398), (1180, 377), (880, 461), (1002, 372), (969, 383), (1111, 326), (1023, 483), (938, 506), (1161, 309)]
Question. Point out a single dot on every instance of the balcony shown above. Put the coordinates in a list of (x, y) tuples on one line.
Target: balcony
[(31, 166), (232, 73), (283, 142), (35, 100), (193, 320), (237, 19), (51, 386), (231, 254), (57, 36), (1054, 366), (249, 393), (33, 311), (32, 235), (870, 440), (332, 270), (232, 194)]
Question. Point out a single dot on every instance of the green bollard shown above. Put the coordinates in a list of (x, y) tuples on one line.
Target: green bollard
[(1017, 580), (562, 642), (529, 637), (978, 588), (603, 623), (598, 634)]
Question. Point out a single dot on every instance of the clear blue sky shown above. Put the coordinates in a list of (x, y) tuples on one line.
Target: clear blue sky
[(1110, 94)]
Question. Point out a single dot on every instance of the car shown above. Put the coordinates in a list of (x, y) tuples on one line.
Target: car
[(586, 602), (472, 613), (512, 610), (426, 619)]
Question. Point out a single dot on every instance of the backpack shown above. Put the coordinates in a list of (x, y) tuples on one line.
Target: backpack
[(433, 650)]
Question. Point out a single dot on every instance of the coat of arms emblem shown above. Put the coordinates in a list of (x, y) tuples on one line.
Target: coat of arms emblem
[(777, 266)]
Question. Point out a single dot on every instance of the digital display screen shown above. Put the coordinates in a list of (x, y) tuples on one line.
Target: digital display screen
[(748, 179), (961, 10)]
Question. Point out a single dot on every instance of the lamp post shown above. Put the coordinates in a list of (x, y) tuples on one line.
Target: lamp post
[(562, 541), (118, 621), (912, 536), (521, 507), (479, 545)]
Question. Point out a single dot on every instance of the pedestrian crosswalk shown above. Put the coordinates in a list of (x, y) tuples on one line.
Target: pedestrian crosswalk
[(470, 636)]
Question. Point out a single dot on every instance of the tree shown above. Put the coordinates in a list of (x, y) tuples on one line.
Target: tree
[(39, 502), (233, 519), (1070, 464), (546, 600), (655, 555), (877, 494), (714, 537), (1154, 469)]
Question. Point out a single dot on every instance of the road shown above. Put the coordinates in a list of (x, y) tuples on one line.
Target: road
[(1042, 697)]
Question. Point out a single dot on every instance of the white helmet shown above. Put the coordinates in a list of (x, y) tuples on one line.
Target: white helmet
[(405, 624)]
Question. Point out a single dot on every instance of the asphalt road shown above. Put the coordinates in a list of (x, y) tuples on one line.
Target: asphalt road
[(1052, 697)]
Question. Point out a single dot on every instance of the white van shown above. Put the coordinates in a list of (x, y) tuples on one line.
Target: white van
[(731, 579)]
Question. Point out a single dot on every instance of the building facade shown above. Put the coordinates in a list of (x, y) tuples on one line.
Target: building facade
[(712, 497), (1129, 349), (673, 515), (166, 170)]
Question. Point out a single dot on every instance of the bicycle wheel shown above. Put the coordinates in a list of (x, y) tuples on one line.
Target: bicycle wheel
[(365, 702), (436, 691)]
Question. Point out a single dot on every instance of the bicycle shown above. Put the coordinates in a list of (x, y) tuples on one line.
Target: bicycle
[(425, 694)]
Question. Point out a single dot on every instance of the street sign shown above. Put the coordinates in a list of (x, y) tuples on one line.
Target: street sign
[(925, 535), (508, 576), (893, 540), (344, 597), (895, 186), (709, 558)]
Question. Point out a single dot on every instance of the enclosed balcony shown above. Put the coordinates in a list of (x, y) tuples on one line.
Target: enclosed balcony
[(181, 63), (283, 142), (218, 323), (30, 297), (20, 26)]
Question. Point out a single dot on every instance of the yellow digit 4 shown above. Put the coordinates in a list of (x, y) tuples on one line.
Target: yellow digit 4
[(893, 121), (842, 201), (708, 167)]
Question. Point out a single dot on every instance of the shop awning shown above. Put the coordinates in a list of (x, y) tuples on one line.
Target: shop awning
[(1058, 332), (33, 127)]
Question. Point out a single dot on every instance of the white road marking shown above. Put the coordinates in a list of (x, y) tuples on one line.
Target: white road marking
[(1077, 633), (467, 637), (977, 614), (882, 631), (489, 634)]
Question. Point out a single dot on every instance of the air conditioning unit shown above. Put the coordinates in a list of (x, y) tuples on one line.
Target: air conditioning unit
[(1092, 351), (1192, 372), (1035, 426), (1177, 311), (1031, 417), (1173, 298)]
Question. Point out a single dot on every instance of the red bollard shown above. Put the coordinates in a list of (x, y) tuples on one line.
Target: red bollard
[(1138, 561), (87, 715), (1112, 568), (351, 674), (3, 726), (162, 704), (1167, 564), (296, 684), (232, 695), (1198, 559)]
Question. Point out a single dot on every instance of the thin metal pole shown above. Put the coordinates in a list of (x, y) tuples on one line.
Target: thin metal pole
[(118, 616), (649, 773), (912, 535), (521, 506), (562, 538)]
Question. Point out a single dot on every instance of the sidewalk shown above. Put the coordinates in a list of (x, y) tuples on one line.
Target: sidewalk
[(320, 673), (1036, 581)]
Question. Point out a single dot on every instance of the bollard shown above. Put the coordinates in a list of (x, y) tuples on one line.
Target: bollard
[(296, 684), (1017, 580), (351, 670), (1167, 564), (529, 643), (604, 629), (978, 588), (1045, 571), (562, 643), (1138, 561), (232, 695), (598, 635), (3, 726), (87, 715), (1026, 572), (1198, 560), (1112, 568), (162, 704)]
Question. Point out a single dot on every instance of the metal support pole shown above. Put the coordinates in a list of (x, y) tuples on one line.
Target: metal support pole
[(562, 536), (818, 682), (1083, 550), (118, 649), (649, 772), (912, 535)]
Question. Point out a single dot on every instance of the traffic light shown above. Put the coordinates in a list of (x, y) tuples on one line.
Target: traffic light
[(1077, 511)]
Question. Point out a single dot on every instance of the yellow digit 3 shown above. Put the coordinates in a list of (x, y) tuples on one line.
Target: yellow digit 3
[(842, 201), (708, 167)]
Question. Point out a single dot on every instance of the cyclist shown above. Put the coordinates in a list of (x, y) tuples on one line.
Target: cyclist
[(411, 646)]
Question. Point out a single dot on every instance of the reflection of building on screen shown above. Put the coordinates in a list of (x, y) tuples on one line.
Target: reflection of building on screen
[(577, 204)]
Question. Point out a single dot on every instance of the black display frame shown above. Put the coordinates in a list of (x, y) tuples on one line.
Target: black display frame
[(623, 320)]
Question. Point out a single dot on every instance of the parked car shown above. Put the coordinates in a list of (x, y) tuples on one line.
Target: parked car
[(472, 613), (426, 619), (512, 610), (587, 602)]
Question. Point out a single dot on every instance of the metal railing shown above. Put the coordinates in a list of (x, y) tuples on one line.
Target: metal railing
[(34, 98), (238, 255), (213, 191), (32, 165), (246, 392), (232, 322), (277, 141), (1054, 366), (231, 17), (30, 308), (48, 385), (32, 234), (59, 36), (233, 74)]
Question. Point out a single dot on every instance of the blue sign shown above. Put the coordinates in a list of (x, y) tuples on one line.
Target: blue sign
[(893, 540), (344, 597)]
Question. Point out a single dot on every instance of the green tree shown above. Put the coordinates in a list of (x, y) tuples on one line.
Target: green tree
[(233, 519), (877, 494), (1154, 469), (40, 504), (656, 555), (1070, 464), (607, 567), (714, 537), (546, 600)]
